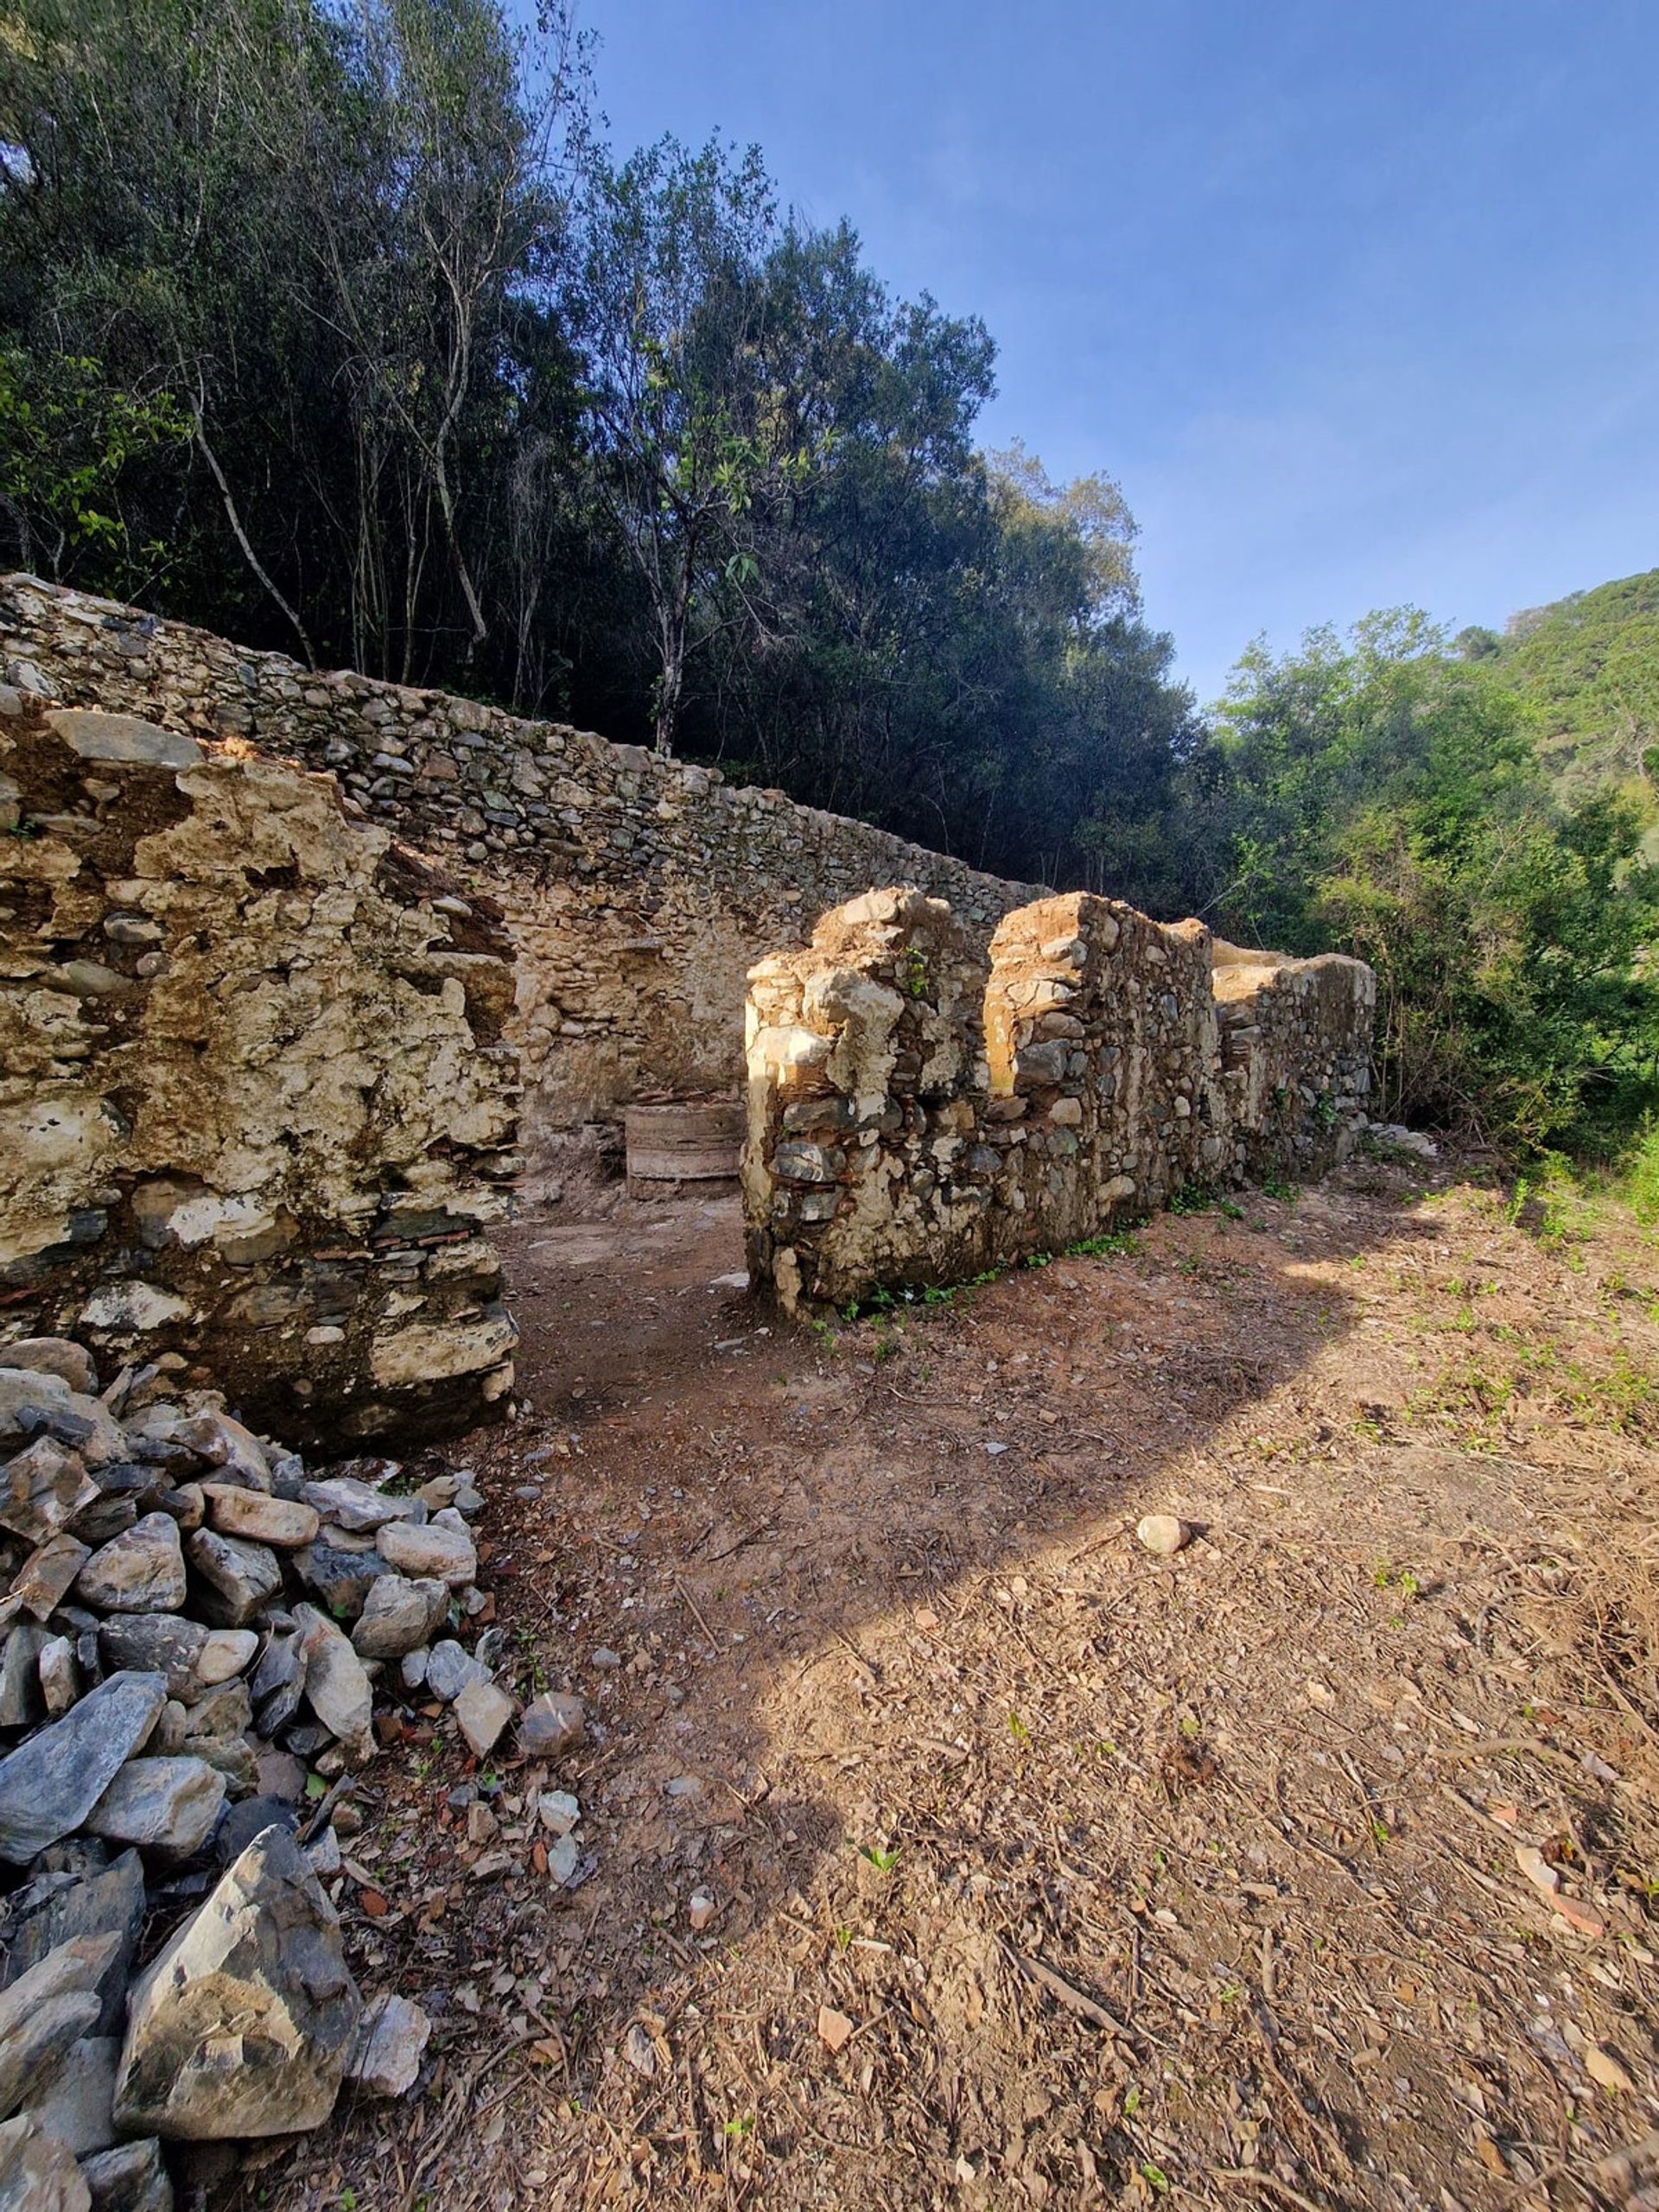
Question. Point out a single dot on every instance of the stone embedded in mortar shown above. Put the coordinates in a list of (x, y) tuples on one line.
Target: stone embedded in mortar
[(243, 2024), (50, 1782), (94, 735)]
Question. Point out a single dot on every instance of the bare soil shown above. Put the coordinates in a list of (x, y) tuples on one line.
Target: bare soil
[(1047, 1872)]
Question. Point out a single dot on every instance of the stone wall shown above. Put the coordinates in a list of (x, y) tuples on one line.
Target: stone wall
[(639, 890), (256, 1106), (920, 1109)]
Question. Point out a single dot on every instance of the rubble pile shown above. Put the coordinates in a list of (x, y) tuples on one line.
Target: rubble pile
[(193, 1632)]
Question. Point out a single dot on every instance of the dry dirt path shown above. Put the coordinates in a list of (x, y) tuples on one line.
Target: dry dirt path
[(1045, 1871)]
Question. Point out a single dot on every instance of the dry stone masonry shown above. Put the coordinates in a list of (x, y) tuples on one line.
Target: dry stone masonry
[(921, 1109), (256, 1109), (639, 890)]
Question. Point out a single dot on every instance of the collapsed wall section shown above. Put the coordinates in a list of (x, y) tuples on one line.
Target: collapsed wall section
[(920, 1111), (639, 890), (256, 1107)]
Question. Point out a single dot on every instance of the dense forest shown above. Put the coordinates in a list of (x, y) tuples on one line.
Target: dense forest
[(340, 330)]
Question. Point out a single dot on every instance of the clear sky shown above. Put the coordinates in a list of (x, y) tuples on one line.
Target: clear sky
[(1356, 299)]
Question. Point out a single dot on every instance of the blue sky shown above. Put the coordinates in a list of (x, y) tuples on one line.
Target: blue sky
[(1357, 300)]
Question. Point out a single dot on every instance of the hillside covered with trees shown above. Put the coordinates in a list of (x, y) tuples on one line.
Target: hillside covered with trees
[(340, 330)]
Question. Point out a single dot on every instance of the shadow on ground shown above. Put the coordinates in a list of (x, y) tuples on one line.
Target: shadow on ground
[(1042, 1871)]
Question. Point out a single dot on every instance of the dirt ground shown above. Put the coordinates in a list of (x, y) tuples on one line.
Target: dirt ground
[(1314, 1866)]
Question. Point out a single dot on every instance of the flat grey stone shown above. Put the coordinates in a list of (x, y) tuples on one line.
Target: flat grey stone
[(130, 2177), (355, 1506), (166, 1807), (236, 1579), (76, 2102), (49, 1784), (449, 1667), (142, 1572), (242, 2025), (398, 1615), (124, 738), (58, 1909)]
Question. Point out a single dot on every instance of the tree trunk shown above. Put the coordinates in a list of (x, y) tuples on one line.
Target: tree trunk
[(671, 683)]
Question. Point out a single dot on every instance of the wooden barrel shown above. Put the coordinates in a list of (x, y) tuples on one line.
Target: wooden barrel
[(683, 1142)]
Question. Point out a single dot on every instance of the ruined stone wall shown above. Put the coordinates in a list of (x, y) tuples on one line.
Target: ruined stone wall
[(639, 890), (920, 1111), (256, 1109)]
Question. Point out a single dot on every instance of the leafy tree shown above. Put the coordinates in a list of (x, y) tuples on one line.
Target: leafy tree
[(1385, 796)]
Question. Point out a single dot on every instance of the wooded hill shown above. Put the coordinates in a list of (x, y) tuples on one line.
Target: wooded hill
[(1588, 665)]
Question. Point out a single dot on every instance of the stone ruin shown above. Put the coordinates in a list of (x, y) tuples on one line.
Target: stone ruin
[(298, 973), (255, 1104), (922, 1109)]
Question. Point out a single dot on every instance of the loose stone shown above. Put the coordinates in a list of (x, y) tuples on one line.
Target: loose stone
[(166, 1807), (49, 1784), (237, 1578), (483, 1711), (385, 2058), (398, 1615), (444, 1554), (551, 1724), (242, 2025), (142, 1572), (263, 1520)]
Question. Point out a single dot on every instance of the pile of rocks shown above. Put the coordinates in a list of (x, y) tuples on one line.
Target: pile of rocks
[(193, 1632)]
